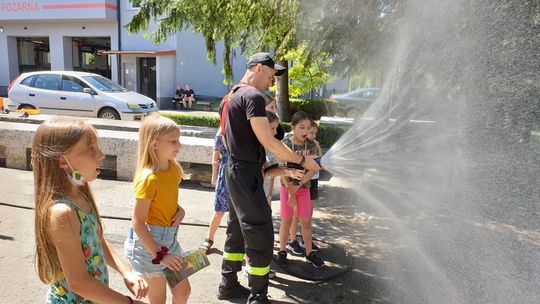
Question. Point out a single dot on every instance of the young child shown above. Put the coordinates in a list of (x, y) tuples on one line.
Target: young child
[(268, 179), (221, 201), (314, 188), (70, 249), (296, 245), (156, 215), (270, 104), (294, 194)]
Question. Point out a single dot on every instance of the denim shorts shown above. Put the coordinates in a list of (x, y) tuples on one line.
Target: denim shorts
[(141, 259)]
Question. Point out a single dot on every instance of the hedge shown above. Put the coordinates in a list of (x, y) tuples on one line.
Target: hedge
[(327, 134), (314, 107), (193, 120)]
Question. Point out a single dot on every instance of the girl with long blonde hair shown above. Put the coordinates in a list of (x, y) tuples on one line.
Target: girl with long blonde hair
[(70, 249), (152, 243)]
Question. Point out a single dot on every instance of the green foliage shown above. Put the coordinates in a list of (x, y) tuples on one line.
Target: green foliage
[(314, 107), (91, 59), (363, 80), (328, 135), (250, 25), (355, 34), (305, 75), (193, 120), (286, 126)]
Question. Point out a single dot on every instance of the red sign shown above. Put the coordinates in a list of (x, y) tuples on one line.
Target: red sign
[(17, 7)]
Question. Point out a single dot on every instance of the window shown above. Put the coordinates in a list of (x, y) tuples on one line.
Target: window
[(104, 84), (370, 94), (72, 84), (131, 4), (28, 80), (47, 82), (357, 94)]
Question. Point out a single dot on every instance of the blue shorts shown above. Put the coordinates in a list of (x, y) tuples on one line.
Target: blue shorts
[(141, 259)]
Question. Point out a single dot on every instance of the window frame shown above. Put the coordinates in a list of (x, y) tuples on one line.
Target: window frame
[(29, 84), (78, 81), (58, 87)]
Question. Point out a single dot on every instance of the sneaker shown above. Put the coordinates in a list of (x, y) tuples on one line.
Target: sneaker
[(282, 258), (295, 248), (234, 292), (315, 260), (313, 246)]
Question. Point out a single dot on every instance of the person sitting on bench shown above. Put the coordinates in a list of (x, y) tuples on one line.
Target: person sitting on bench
[(178, 97), (189, 97)]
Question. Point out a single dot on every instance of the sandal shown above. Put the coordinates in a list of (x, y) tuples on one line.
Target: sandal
[(207, 244)]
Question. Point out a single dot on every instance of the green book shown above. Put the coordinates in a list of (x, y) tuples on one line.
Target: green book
[(196, 260)]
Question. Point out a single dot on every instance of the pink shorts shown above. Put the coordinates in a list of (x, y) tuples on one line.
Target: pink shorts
[(303, 204)]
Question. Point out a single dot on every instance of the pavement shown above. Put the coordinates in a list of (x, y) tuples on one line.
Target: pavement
[(341, 226)]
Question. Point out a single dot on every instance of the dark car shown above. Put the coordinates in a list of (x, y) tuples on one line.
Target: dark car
[(354, 103)]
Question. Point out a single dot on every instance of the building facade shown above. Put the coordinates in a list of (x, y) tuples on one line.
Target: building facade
[(90, 36)]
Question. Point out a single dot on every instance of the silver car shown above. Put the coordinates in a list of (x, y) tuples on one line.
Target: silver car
[(77, 94), (354, 103)]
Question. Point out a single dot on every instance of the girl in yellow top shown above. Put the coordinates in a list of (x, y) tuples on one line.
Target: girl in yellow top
[(152, 245)]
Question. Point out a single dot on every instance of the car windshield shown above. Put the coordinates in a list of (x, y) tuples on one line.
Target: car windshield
[(368, 93), (104, 84)]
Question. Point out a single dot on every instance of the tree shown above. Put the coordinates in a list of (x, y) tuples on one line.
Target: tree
[(355, 35), (327, 28), (247, 24), (306, 75)]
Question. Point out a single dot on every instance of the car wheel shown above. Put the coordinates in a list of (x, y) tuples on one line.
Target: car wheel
[(109, 114), (353, 113)]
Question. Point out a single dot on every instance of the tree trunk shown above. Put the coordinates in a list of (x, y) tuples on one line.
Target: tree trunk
[(282, 93)]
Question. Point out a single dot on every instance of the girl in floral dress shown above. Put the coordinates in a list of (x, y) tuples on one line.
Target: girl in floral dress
[(221, 201), (71, 253)]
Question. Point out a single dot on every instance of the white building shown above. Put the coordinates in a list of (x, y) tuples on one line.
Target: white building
[(90, 36)]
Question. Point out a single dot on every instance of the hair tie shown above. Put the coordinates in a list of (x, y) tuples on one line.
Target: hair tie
[(160, 254)]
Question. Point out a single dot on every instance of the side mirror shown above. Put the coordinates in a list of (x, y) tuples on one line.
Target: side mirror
[(89, 91)]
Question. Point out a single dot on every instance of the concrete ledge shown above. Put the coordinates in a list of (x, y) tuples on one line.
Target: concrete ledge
[(16, 143), (105, 124)]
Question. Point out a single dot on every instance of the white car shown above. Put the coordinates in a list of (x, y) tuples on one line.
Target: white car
[(77, 94)]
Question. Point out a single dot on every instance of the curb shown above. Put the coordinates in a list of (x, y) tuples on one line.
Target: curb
[(116, 125)]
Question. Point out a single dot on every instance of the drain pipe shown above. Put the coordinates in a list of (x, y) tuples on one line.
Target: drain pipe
[(119, 56)]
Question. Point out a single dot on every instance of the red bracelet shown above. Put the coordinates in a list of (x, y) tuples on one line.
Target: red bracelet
[(160, 254)]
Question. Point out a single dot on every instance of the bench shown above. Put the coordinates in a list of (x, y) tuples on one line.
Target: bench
[(207, 100)]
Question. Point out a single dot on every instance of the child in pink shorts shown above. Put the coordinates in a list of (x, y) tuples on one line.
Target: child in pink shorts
[(294, 194)]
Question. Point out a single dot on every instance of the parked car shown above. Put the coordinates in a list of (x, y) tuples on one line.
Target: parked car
[(77, 94), (354, 103)]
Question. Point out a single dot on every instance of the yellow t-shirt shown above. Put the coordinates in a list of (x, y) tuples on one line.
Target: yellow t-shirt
[(162, 189)]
